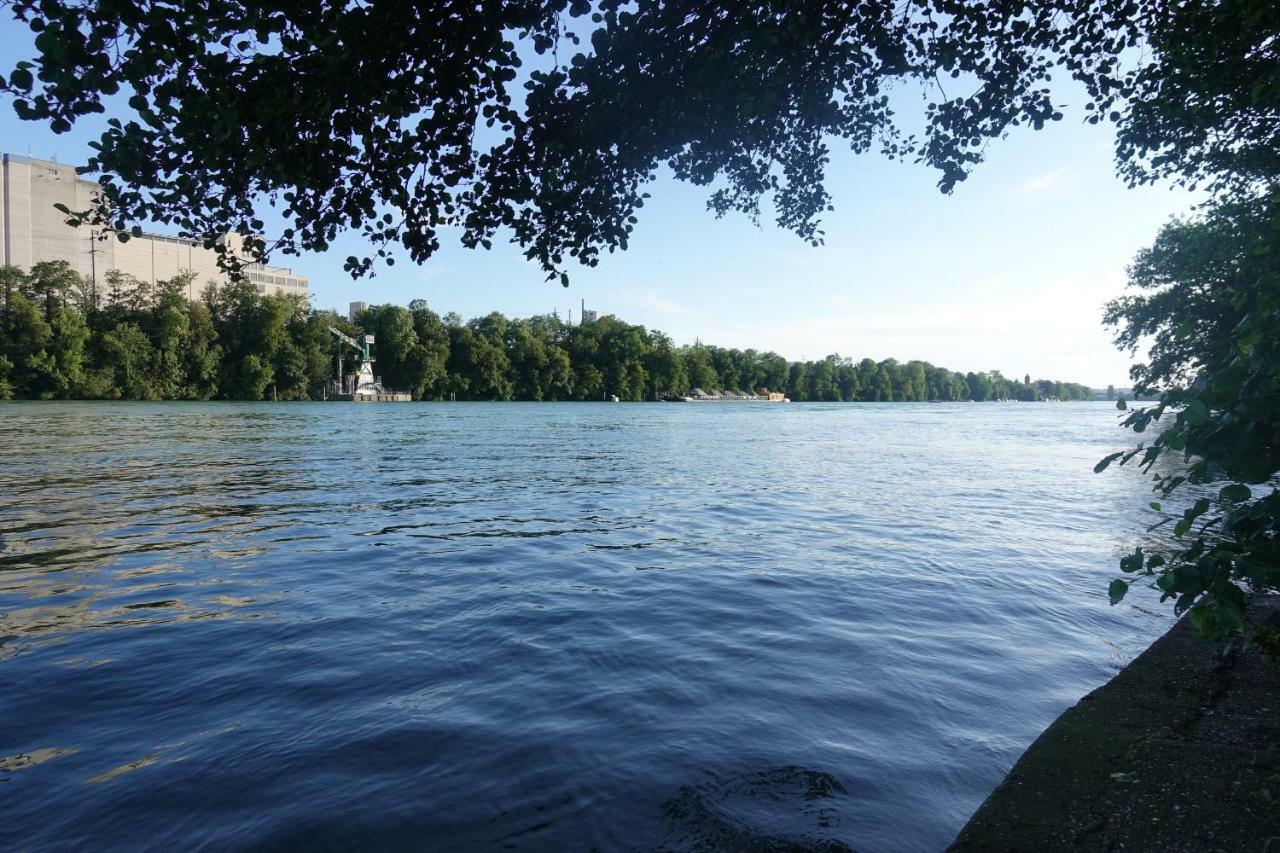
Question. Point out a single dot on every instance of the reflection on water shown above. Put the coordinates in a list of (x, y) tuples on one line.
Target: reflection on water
[(544, 627)]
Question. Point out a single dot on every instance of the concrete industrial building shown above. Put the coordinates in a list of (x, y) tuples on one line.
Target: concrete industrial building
[(32, 231)]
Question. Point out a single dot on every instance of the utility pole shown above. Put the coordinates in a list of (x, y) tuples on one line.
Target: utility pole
[(93, 270)]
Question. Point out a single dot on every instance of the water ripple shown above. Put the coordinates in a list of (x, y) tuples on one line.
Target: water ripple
[(550, 627)]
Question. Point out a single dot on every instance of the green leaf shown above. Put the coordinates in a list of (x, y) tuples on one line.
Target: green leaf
[(1106, 461), (1121, 405), (1117, 590), (1133, 562), (1204, 620), (21, 79), (1230, 617), (1196, 413), (1235, 493)]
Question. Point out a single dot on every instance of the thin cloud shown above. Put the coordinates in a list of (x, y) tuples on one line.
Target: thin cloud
[(1049, 180), (653, 301)]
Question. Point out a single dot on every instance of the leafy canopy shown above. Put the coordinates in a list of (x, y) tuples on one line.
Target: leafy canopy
[(1208, 299), (407, 120)]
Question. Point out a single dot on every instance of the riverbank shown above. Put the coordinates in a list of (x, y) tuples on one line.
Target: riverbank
[(1179, 752)]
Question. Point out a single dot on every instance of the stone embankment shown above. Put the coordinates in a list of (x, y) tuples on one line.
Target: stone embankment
[(1179, 752)]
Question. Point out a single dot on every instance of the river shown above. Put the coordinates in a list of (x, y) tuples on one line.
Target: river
[(545, 626)]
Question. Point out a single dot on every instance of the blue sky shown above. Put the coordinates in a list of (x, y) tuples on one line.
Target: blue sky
[(1010, 272)]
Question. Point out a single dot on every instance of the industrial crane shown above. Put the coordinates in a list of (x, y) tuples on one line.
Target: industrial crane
[(364, 375)]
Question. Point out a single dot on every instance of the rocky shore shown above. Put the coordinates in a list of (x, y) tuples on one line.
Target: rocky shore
[(1179, 752)]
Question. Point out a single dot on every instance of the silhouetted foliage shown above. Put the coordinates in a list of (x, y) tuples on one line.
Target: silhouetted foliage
[(546, 119), (1208, 300)]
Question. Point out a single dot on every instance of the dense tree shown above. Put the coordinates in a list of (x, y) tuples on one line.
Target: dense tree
[(1207, 298), (147, 341), (665, 367), (6, 378), (129, 354), (478, 350), (430, 355)]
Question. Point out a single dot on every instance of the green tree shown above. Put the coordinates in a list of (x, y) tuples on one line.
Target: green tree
[(396, 345), (664, 365), (822, 380), (67, 351), (249, 378), (1207, 297), (51, 285), (128, 356), (881, 387), (431, 355), (478, 359), (6, 378), (168, 327), (27, 334), (915, 382), (697, 363)]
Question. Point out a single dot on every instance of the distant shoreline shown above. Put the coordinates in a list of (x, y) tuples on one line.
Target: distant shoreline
[(69, 338), (1109, 403)]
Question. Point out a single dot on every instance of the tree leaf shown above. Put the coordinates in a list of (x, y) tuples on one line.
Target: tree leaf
[(1106, 461), (1196, 413), (1235, 493)]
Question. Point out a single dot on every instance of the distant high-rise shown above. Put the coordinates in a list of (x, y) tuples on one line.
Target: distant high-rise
[(355, 309), (32, 230)]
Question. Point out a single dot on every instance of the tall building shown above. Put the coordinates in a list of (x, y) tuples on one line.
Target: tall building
[(33, 230)]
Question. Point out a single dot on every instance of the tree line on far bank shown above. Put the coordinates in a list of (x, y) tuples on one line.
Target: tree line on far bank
[(144, 341)]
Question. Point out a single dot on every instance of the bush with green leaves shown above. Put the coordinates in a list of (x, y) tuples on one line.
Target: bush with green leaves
[(1208, 300)]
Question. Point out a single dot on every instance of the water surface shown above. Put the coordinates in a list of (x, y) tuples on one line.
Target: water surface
[(544, 626)]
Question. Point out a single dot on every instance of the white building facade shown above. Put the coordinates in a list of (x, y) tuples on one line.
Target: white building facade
[(32, 230)]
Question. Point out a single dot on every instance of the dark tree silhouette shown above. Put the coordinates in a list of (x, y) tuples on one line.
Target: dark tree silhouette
[(545, 120)]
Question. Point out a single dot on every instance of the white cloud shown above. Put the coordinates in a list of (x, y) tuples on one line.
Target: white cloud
[(651, 300), (1051, 329), (1048, 181)]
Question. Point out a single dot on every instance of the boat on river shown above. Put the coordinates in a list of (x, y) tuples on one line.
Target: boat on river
[(697, 395)]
